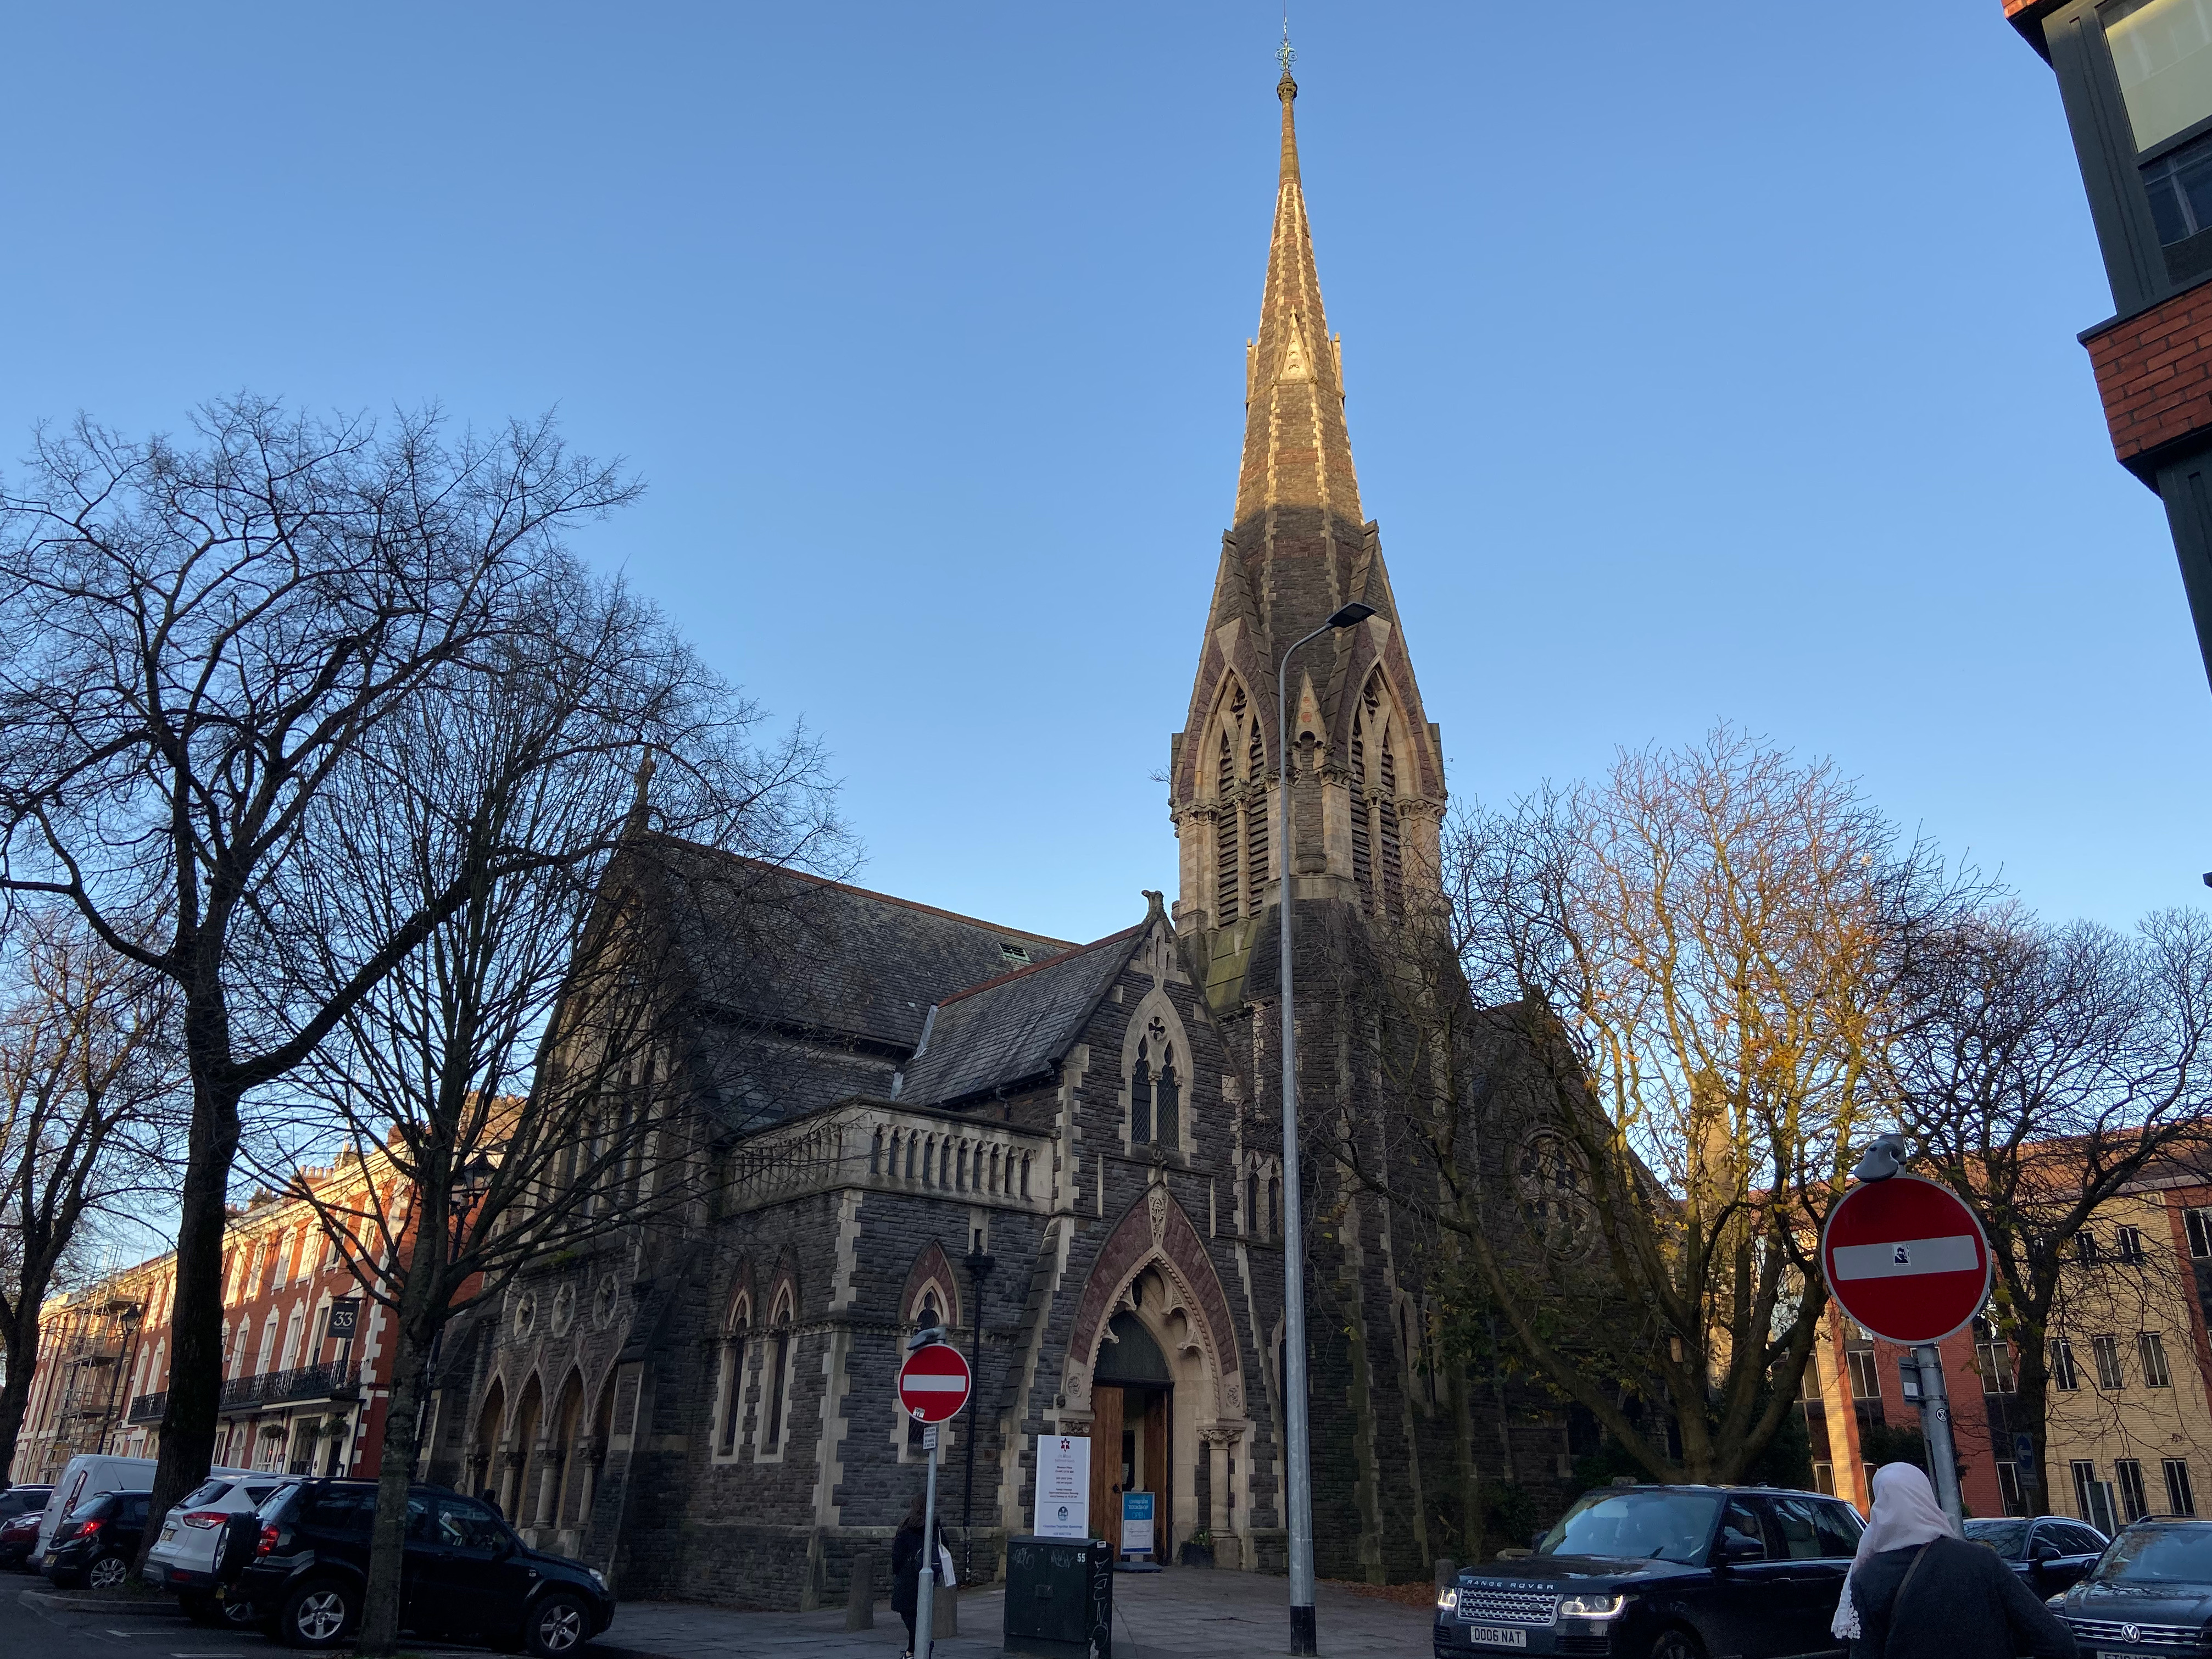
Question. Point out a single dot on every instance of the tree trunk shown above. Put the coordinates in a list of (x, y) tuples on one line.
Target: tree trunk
[(188, 1423), (22, 1351), (381, 1600)]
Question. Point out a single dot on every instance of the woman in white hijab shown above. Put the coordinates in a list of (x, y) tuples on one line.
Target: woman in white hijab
[(1905, 1513), (1917, 1590)]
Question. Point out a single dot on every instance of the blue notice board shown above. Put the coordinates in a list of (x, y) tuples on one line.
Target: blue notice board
[(1137, 1523)]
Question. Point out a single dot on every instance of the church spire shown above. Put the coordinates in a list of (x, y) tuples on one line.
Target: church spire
[(1366, 769), (1297, 453)]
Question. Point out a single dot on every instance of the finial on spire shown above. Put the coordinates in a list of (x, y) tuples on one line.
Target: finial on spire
[(1284, 55)]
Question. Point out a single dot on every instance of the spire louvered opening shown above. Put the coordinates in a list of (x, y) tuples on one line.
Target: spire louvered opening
[(1363, 840), (1386, 813), (1255, 817), (1377, 854), (1240, 819), (1227, 885)]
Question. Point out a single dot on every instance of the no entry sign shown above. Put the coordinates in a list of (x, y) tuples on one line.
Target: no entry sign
[(1906, 1258), (933, 1383)]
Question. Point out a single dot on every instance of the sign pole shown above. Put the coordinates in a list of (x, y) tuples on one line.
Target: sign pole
[(1936, 1425), (925, 1607)]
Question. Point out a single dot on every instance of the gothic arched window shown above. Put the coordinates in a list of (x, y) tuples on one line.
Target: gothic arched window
[(1252, 1203), (1140, 1100), (1375, 846), (1167, 1118), (779, 1403), (1227, 885), (733, 1379), (1256, 817), (926, 1316)]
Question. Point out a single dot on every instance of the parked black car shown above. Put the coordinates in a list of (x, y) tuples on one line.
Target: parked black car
[(2050, 1552), (2150, 1594), (464, 1574), (1663, 1572), (20, 1510), (97, 1545)]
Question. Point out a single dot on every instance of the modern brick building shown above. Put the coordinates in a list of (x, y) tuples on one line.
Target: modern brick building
[(1068, 1153)]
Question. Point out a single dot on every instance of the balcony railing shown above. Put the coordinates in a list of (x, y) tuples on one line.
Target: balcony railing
[(338, 1381), (148, 1406)]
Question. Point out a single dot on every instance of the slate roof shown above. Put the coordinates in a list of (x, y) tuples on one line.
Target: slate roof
[(777, 947), (1016, 1027)]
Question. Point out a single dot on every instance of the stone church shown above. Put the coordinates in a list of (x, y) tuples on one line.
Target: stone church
[(1068, 1153)]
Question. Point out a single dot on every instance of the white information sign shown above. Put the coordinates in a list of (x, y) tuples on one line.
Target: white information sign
[(1063, 1486)]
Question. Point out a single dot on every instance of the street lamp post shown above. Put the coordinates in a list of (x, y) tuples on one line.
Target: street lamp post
[(1298, 1464)]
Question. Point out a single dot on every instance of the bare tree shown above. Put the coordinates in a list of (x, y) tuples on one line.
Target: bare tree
[(88, 1076), (504, 1092), (2044, 1073), (195, 639), (1638, 1044)]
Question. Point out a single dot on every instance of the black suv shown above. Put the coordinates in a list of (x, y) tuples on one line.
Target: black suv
[(98, 1543), (2150, 1594), (2048, 1551), (464, 1573), (1663, 1572)]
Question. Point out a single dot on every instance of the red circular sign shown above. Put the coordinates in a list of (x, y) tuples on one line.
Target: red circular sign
[(1906, 1259), (933, 1383)]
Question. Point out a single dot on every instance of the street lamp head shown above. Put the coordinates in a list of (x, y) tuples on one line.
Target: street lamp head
[(923, 1339), (1352, 614)]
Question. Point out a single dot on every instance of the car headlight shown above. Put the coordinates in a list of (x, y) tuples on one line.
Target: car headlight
[(1447, 1599), (1592, 1607), (597, 1577)]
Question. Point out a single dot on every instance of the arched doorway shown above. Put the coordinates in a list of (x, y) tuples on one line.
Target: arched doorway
[(1154, 1377), (1133, 1427), (521, 1502), (489, 1421)]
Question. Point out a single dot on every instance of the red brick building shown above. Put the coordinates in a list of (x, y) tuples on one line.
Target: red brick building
[(305, 1351)]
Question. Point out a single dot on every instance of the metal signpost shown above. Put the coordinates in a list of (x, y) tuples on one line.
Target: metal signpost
[(933, 1385), (1906, 1259)]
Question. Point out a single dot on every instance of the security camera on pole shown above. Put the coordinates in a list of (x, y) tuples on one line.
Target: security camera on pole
[(1906, 1259), (933, 1386)]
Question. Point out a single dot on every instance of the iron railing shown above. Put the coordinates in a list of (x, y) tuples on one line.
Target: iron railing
[(338, 1381), (148, 1407)]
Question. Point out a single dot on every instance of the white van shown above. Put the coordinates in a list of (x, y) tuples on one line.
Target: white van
[(87, 1477)]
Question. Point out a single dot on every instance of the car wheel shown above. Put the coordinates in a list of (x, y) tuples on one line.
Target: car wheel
[(556, 1627), (1677, 1644), (108, 1572), (318, 1614)]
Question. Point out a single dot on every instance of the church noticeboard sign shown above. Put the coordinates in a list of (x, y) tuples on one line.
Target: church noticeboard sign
[(1063, 1486), (1137, 1523)]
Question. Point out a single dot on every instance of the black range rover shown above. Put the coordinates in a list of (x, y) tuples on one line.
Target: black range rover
[(1663, 1572)]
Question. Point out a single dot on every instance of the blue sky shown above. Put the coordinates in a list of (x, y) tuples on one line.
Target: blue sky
[(1702, 364)]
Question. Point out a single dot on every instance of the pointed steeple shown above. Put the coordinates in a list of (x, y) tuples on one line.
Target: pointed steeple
[(1368, 767), (1297, 453)]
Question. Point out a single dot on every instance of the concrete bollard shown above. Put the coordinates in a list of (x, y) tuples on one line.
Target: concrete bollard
[(1447, 1569), (861, 1593)]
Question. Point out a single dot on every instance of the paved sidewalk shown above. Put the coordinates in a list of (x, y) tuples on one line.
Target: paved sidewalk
[(1180, 1613)]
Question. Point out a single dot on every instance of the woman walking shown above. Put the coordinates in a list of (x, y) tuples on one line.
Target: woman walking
[(908, 1561), (1917, 1590)]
